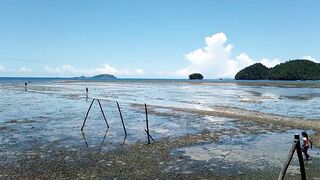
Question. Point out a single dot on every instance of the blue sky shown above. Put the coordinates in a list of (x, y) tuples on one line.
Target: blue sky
[(167, 38)]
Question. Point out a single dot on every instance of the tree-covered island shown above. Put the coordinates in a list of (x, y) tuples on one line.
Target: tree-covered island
[(299, 69)]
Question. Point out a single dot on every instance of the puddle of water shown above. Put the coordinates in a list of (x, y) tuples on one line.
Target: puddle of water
[(241, 154)]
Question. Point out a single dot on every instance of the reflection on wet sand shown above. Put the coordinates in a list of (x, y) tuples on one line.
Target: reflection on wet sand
[(124, 142), (86, 142)]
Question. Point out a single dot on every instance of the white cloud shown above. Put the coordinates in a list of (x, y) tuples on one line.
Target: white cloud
[(310, 58), (139, 71), (62, 69), (1, 68), (24, 70), (68, 70), (243, 58), (215, 59), (270, 63)]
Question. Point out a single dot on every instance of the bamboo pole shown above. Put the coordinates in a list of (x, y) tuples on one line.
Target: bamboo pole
[(124, 128), (148, 133), (103, 113), (302, 168), (287, 163), (85, 119)]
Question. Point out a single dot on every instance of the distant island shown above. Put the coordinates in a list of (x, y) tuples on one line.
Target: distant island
[(299, 69), (104, 76), (196, 76), (99, 77)]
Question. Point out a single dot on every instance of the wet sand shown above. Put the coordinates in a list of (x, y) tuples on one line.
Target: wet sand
[(251, 116)]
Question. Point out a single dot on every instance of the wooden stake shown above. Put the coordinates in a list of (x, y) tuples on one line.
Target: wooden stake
[(103, 113), (148, 133), (85, 119), (124, 128), (298, 148), (287, 163)]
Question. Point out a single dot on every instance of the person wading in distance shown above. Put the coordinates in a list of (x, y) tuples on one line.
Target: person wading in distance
[(87, 93)]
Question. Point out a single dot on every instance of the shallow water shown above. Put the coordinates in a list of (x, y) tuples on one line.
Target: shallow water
[(51, 112), (54, 109), (241, 154), (278, 98)]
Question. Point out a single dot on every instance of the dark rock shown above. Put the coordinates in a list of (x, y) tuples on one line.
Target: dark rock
[(195, 76)]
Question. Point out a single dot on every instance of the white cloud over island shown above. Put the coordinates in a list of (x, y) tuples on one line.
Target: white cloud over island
[(310, 58), (68, 70), (215, 59)]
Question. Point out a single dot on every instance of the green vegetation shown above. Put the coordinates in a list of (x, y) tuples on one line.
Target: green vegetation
[(254, 72), (295, 70), (195, 76), (290, 70)]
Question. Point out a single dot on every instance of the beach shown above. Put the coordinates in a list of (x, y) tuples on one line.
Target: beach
[(202, 129)]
